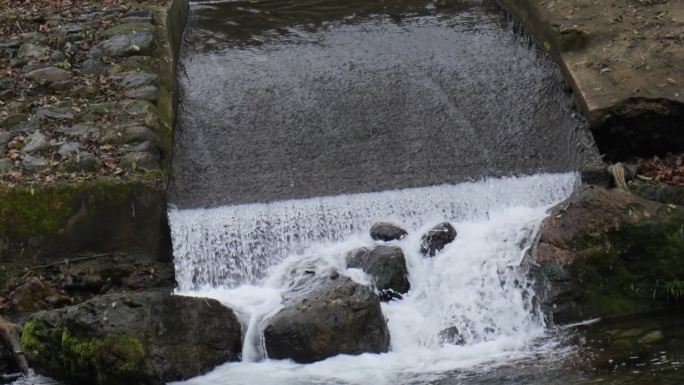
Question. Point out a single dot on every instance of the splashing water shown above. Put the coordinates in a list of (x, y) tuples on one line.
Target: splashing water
[(247, 256)]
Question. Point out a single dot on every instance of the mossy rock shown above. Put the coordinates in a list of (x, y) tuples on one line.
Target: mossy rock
[(123, 339), (607, 253)]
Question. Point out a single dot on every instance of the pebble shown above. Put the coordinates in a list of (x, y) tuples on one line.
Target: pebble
[(5, 137), (143, 93), (80, 130), (51, 113), (26, 126), (5, 165), (67, 150), (34, 163), (134, 79), (94, 67), (126, 45), (31, 51)]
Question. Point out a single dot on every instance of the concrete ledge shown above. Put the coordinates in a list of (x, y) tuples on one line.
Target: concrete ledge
[(623, 60)]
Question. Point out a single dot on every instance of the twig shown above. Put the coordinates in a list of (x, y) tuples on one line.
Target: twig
[(67, 261)]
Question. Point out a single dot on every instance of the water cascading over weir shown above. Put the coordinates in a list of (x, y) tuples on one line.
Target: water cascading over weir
[(302, 123)]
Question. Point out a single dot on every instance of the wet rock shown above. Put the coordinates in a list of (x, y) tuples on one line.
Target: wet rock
[(337, 317), (387, 231), (387, 266), (128, 29), (601, 253), (94, 67), (34, 163), (451, 335), (67, 150), (135, 79), (144, 93), (436, 238), (139, 338), (49, 74), (651, 337), (141, 43), (31, 51), (36, 142), (53, 113)]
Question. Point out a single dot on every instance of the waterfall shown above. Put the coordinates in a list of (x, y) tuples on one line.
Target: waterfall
[(245, 256)]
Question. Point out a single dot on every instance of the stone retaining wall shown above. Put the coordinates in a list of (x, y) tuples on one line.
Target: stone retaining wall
[(85, 158)]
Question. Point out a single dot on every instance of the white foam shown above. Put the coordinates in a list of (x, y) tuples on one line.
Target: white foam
[(474, 284)]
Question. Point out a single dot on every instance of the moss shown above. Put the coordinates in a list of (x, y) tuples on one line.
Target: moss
[(621, 273), (31, 336), (571, 39), (27, 212)]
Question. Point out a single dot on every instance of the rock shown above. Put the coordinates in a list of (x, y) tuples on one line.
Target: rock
[(140, 43), (4, 44), (141, 160), (57, 56), (651, 337), (26, 127), (137, 338), (139, 133), (387, 231), (78, 130), (5, 165), (30, 51), (337, 317), (604, 253), (387, 266), (52, 113), (135, 79), (7, 83), (34, 163), (94, 67), (436, 238), (5, 137), (144, 93), (451, 335), (128, 29), (659, 192), (69, 149), (29, 296), (49, 74), (82, 161), (12, 359), (36, 142)]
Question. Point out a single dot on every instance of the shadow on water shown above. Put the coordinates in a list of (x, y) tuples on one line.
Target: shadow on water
[(295, 99)]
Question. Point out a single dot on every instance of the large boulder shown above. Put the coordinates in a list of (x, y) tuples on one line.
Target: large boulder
[(436, 238), (142, 338), (334, 316), (607, 253), (386, 265), (387, 231)]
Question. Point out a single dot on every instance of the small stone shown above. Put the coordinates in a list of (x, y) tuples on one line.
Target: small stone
[(651, 337), (140, 43), (36, 142), (58, 56), (135, 79), (5, 137), (138, 133), (62, 85), (94, 67), (69, 28), (83, 161), (7, 83), (128, 29), (34, 163), (26, 126), (436, 238), (387, 231), (9, 44), (5, 165), (141, 160), (31, 51), (143, 93), (79, 130), (69, 149), (49, 74), (51, 113)]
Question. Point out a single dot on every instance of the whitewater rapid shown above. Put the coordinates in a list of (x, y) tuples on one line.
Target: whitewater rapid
[(246, 256)]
